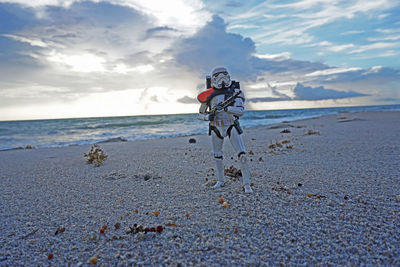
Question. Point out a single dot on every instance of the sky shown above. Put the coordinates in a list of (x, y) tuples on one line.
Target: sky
[(74, 58)]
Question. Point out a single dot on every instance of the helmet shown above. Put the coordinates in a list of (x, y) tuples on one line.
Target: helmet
[(220, 78)]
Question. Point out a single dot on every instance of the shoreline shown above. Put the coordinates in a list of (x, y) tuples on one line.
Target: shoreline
[(121, 139), (326, 191), (195, 113)]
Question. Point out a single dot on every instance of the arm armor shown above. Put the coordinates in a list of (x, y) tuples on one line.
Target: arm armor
[(202, 113), (237, 109)]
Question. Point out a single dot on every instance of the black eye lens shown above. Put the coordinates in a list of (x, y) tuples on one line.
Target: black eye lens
[(218, 73)]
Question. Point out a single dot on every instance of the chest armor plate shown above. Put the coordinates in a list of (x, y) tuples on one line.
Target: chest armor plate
[(216, 100), (221, 118)]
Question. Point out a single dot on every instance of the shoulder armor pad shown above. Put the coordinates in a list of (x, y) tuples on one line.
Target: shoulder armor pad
[(203, 96)]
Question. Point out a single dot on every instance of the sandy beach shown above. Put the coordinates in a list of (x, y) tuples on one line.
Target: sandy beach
[(326, 191)]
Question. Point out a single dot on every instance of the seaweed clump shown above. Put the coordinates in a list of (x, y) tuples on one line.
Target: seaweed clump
[(311, 132), (232, 172), (96, 156)]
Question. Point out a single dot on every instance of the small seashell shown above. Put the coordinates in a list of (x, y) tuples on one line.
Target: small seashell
[(93, 260), (60, 230)]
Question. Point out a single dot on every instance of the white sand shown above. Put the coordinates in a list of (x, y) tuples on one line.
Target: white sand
[(354, 155)]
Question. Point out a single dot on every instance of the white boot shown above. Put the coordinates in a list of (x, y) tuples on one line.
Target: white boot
[(218, 184), (220, 173), (247, 188), (245, 173)]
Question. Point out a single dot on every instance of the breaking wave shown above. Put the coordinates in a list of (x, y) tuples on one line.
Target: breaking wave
[(66, 132)]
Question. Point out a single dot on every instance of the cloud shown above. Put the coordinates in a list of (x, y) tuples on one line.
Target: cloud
[(83, 38), (79, 50), (295, 25), (32, 42), (375, 74), (267, 99), (275, 57), (332, 47), (212, 46), (320, 12), (187, 15), (274, 90), (302, 92), (373, 46), (288, 65), (160, 32), (234, 4), (393, 37), (190, 15), (187, 100), (352, 32), (331, 71), (41, 3)]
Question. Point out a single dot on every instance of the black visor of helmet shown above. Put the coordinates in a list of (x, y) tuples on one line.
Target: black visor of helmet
[(218, 73)]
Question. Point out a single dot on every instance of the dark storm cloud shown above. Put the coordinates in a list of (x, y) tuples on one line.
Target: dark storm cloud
[(267, 99), (302, 92), (214, 46), (274, 66), (320, 93)]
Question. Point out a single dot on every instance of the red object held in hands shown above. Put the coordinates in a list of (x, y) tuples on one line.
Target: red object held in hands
[(202, 97)]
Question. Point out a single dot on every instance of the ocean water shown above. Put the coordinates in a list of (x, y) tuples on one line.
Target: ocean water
[(67, 132)]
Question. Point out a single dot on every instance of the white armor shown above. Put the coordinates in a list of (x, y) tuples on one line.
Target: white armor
[(224, 123)]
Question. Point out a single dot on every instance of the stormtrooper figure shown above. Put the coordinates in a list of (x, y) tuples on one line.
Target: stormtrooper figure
[(223, 121)]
